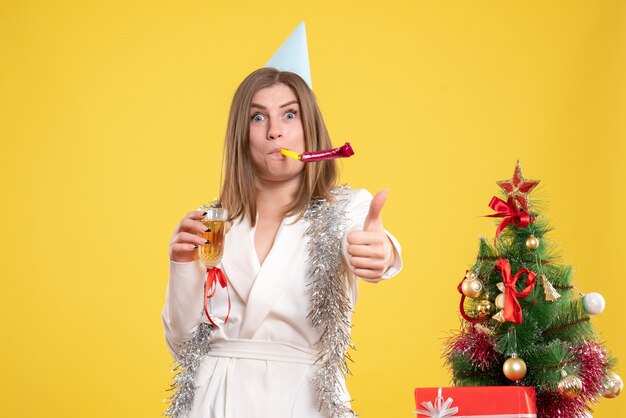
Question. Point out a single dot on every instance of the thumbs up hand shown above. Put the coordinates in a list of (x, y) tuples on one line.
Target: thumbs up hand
[(371, 250)]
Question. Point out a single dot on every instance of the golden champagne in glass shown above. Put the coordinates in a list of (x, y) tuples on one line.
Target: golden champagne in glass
[(215, 219)]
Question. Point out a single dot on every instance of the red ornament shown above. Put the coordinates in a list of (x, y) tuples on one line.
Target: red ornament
[(517, 188)]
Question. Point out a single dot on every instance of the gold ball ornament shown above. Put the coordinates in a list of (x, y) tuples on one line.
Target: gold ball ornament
[(514, 368), (613, 386), (472, 288), (500, 301), (484, 308), (570, 386), (532, 243)]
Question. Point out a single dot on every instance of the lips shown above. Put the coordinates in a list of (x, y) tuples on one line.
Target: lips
[(275, 153)]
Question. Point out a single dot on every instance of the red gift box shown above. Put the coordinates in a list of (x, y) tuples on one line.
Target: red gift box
[(476, 401)]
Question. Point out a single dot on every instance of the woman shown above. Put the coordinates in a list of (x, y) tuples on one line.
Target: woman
[(291, 257)]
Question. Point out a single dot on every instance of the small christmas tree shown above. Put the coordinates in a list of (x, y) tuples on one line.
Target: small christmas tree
[(524, 323)]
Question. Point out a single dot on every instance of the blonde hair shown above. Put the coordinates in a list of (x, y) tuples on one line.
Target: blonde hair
[(238, 189)]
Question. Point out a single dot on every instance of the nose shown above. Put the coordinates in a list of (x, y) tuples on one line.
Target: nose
[(274, 130)]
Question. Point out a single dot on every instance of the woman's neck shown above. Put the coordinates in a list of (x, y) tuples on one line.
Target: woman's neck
[(274, 198)]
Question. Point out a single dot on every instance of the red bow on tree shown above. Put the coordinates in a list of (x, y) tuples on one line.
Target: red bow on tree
[(512, 309), (214, 275), (510, 213)]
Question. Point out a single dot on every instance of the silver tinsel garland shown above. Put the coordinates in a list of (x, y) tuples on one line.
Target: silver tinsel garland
[(329, 313), (330, 302), (191, 355)]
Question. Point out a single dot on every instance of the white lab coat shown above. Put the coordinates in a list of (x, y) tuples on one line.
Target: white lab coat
[(262, 360)]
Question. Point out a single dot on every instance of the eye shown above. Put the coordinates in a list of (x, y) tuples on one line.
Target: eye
[(291, 114), (257, 117)]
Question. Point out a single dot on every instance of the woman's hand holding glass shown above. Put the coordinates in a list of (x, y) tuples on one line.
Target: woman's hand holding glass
[(188, 237)]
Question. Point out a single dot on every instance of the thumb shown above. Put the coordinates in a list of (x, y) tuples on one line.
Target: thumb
[(374, 219)]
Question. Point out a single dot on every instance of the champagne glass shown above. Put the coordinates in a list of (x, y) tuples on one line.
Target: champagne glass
[(210, 254), (215, 220)]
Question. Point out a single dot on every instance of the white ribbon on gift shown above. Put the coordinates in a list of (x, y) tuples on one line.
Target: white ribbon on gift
[(440, 409)]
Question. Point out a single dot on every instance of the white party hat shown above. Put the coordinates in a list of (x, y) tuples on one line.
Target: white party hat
[(293, 55)]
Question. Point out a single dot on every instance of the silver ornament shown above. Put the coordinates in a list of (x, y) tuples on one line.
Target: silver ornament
[(594, 303)]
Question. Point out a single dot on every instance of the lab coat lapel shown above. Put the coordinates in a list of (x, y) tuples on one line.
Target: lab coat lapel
[(273, 276)]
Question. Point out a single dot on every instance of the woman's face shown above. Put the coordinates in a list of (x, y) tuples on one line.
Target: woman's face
[(275, 123)]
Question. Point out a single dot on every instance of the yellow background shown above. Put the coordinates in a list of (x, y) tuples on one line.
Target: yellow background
[(112, 115)]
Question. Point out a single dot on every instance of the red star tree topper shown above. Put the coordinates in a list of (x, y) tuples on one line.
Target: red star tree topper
[(517, 188)]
